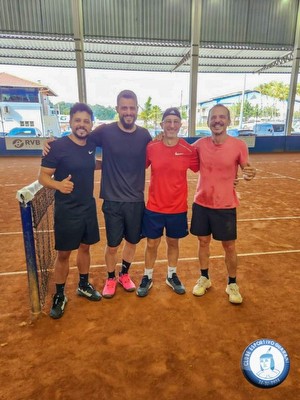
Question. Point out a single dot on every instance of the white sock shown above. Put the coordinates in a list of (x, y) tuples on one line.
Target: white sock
[(171, 271), (148, 272)]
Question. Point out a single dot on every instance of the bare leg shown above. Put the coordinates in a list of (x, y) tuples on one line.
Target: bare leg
[(172, 251), (230, 257), (61, 267), (128, 251), (83, 259), (111, 258), (151, 252), (203, 251)]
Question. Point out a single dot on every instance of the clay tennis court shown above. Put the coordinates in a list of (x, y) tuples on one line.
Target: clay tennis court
[(164, 346)]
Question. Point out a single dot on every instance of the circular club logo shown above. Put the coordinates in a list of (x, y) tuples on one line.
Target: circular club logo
[(18, 143), (265, 363)]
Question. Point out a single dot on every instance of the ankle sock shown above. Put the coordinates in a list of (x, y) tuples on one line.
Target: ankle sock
[(204, 272), (125, 267), (231, 280)]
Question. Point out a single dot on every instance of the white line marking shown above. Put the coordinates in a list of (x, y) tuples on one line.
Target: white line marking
[(262, 253)]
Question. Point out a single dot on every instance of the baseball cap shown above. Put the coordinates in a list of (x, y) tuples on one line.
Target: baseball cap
[(171, 111)]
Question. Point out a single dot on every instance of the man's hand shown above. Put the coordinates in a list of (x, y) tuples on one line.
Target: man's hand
[(46, 147), (159, 136), (249, 172), (66, 186)]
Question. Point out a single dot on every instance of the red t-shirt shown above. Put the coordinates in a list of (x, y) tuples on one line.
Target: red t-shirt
[(168, 183), (218, 170)]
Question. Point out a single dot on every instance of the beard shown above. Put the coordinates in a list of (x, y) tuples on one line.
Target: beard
[(125, 124), (80, 136)]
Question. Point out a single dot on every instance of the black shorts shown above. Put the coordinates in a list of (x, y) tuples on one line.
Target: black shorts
[(76, 226), (220, 223), (123, 220)]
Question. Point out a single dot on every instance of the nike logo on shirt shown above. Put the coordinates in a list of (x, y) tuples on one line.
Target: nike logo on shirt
[(179, 154), (91, 152)]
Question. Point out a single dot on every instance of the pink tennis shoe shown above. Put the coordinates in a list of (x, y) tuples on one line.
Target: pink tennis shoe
[(126, 282), (109, 289)]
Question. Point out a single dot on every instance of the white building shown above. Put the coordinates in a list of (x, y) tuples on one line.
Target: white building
[(26, 104)]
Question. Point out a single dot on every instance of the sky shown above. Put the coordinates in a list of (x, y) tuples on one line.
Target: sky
[(165, 89)]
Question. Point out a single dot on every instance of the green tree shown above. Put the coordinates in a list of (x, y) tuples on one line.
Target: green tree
[(275, 89), (63, 108), (155, 115), (103, 113), (248, 111), (145, 114)]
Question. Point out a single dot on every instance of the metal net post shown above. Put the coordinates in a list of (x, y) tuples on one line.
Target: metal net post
[(32, 271)]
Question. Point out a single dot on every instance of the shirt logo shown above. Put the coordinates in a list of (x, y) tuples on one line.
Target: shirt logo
[(179, 154), (91, 152)]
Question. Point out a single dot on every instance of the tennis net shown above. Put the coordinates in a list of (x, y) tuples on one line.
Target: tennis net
[(37, 213)]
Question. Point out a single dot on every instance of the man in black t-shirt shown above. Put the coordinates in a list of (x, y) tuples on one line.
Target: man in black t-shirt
[(123, 146), (69, 169)]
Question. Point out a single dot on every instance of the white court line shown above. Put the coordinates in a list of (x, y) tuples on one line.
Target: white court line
[(262, 253), (267, 219)]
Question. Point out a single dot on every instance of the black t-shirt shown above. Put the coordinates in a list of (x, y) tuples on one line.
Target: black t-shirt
[(68, 158), (123, 162)]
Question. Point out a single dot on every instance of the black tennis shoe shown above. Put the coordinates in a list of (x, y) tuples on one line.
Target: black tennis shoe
[(89, 292), (58, 307), (175, 284), (145, 286)]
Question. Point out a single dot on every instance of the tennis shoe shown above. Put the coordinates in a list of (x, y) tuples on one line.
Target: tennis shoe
[(125, 281), (109, 289), (89, 292), (145, 285), (58, 307), (234, 293), (201, 286), (175, 284)]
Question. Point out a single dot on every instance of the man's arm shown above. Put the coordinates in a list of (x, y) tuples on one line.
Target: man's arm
[(98, 164), (194, 161), (45, 178)]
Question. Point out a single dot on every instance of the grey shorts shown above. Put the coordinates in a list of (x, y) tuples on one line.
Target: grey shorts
[(220, 223), (123, 220)]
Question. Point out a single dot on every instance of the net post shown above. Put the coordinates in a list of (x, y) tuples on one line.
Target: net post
[(32, 271)]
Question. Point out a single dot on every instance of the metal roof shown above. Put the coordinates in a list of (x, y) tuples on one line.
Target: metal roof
[(236, 36)]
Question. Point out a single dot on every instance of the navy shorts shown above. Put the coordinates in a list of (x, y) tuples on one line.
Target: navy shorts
[(76, 226), (123, 220), (154, 223), (220, 223)]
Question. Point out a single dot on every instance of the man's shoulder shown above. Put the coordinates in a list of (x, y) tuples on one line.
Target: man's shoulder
[(202, 141), (237, 142), (154, 143), (143, 130), (59, 142), (104, 127)]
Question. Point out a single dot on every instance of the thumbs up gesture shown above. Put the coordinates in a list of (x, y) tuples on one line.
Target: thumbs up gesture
[(66, 185)]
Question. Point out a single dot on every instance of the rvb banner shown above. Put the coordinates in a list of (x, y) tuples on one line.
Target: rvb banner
[(24, 143)]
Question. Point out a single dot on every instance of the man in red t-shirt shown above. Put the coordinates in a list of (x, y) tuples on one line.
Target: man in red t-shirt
[(215, 202), (166, 208)]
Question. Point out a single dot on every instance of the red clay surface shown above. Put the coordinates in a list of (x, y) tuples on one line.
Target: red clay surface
[(164, 346)]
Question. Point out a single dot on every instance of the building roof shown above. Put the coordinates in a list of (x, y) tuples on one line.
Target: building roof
[(8, 80), (235, 36)]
